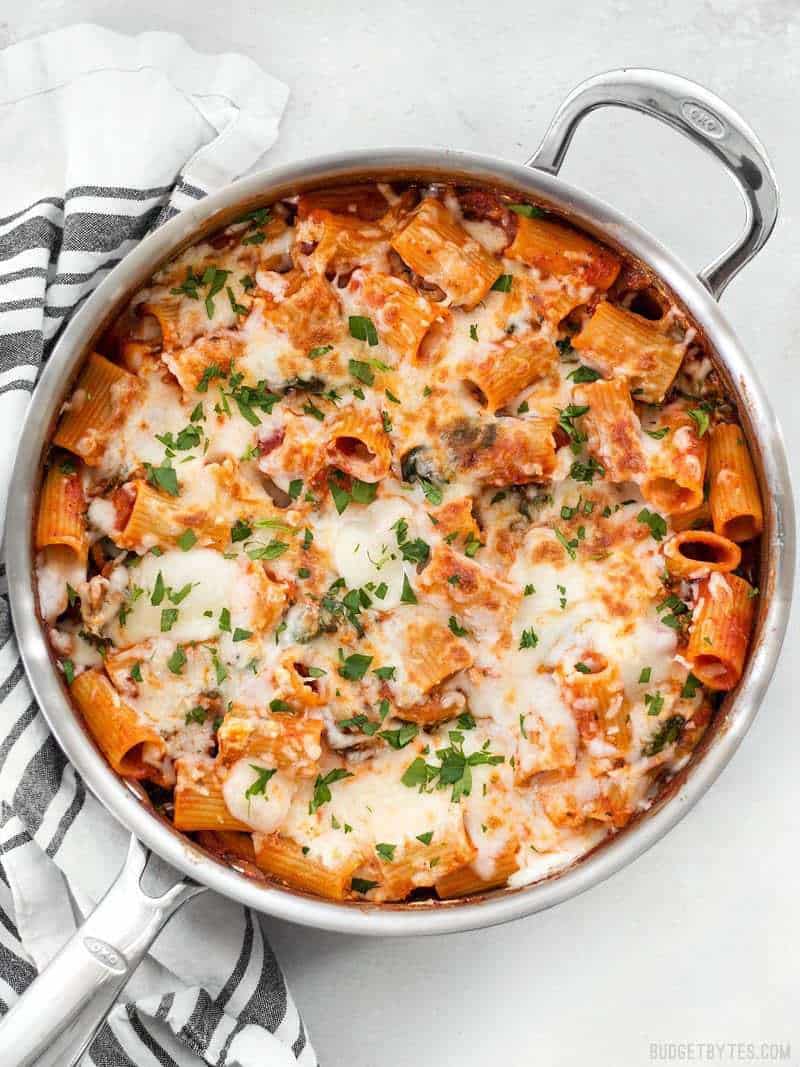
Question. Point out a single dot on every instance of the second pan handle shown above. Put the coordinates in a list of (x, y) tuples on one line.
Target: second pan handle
[(56, 1018), (702, 117)]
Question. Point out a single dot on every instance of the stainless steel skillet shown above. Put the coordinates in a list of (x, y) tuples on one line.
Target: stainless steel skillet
[(54, 1021)]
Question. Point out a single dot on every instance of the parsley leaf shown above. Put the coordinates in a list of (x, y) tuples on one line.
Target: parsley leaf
[(401, 737), (361, 370), (362, 885), (177, 661), (362, 328), (163, 477), (690, 687), (654, 522), (408, 596), (529, 211), (341, 498), (668, 733), (701, 420), (259, 785), (583, 374), (322, 792), (528, 639), (355, 666), (240, 531)]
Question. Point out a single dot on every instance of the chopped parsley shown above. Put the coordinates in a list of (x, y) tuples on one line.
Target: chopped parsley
[(503, 283), (408, 596), (401, 737), (362, 328), (362, 885), (471, 545), (456, 627), (68, 668), (433, 494), (270, 551), (186, 540), (177, 661), (570, 547), (361, 370), (163, 477), (583, 374), (528, 639), (236, 308), (241, 530), (454, 769), (701, 420), (258, 788), (654, 702), (644, 677), (473, 332), (566, 420), (322, 350), (196, 714), (355, 666), (585, 472), (529, 211), (583, 668), (386, 852), (668, 733), (169, 616), (322, 792), (363, 492), (158, 590), (690, 687), (359, 722), (654, 522)]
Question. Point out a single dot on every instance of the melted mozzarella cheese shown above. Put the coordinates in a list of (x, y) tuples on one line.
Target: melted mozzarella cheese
[(364, 551), (211, 580), (264, 811), (377, 807)]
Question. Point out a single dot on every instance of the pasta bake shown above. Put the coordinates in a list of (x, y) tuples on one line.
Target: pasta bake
[(402, 539)]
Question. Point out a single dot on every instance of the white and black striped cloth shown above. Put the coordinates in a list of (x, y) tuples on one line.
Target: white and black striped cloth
[(103, 138)]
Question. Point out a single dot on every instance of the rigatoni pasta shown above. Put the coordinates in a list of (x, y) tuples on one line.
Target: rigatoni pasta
[(386, 535), (733, 491)]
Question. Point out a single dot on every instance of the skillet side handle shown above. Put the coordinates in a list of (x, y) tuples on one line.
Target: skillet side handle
[(57, 1017), (702, 117)]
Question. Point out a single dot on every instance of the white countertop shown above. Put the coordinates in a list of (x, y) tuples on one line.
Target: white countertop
[(698, 940)]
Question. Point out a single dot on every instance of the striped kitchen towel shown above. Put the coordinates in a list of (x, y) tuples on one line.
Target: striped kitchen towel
[(104, 137)]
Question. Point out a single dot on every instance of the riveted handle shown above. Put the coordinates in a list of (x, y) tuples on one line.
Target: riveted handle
[(55, 1020), (702, 117)]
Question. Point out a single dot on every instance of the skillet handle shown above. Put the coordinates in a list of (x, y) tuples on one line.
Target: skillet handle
[(702, 117), (55, 1020)]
